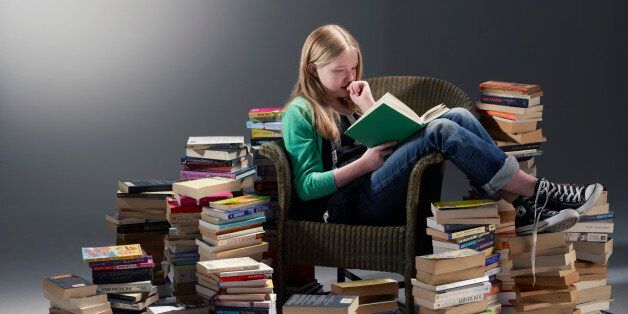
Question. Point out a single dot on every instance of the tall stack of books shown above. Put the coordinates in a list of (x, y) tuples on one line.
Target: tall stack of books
[(141, 218), (265, 126), (592, 239), (549, 286), (237, 285), (452, 282), (511, 112), (124, 273), (232, 228), (184, 211), (218, 156), (73, 294), (375, 295)]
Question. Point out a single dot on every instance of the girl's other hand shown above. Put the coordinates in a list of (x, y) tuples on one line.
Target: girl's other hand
[(360, 93), (375, 157)]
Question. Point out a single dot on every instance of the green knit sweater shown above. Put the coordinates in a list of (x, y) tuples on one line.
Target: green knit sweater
[(304, 146)]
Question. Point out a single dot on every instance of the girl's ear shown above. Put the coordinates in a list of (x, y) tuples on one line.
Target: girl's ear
[(311, 67)]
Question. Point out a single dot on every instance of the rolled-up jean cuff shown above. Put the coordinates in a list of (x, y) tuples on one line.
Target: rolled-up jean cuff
[(503, 176)]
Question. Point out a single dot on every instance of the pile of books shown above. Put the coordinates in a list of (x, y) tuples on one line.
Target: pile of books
[(232, 228), (375, 295), (183, 212), (511, 112), (124, 273), (265, 126), (549, 286), (463, 224), (323, 304), (141, 218), (503, 232), (237, 285), (73, 294), (452, 282), (592, 239), (218, 156)]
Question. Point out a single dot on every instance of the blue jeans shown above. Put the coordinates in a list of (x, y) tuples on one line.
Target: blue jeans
[(461, 139)]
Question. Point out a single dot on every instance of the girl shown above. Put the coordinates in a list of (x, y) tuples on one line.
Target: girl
[(356, 185)]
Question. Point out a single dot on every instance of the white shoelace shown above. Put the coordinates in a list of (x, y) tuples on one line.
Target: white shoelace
[(543, 186), (565, 192)]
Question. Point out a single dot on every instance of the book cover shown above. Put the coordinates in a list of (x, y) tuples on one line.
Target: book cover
[(229, 264), (298, 302), (69, 286), (513, 87), (510, 101), (260, 133), (390, 120), (204, 141), (201, 188), (240, 202), (218, 154), (120, 252), (265, 114), (145, 185), (275, 125)]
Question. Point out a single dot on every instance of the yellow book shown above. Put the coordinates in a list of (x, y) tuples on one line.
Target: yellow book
[(259, 133)]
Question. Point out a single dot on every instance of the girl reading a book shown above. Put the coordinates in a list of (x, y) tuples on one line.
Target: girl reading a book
[(356, 185)]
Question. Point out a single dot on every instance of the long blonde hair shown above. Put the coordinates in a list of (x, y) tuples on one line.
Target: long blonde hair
[(321, 47)]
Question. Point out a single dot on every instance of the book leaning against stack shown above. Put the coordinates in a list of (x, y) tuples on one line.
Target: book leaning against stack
[(124, 273), (511, 113), (237, 285), (452, 282), (592, 240), (73, 294), (141, 218), (184, 212)]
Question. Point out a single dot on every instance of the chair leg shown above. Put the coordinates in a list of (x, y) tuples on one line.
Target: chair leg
[(409, 306)]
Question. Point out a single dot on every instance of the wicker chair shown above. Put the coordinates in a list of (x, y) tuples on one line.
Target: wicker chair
[(389, 249)]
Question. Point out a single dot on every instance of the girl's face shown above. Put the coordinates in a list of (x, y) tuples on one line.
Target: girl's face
[(339, 73)]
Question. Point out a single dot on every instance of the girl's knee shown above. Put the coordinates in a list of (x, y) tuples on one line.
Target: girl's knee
[(460, 113), (442, 127)]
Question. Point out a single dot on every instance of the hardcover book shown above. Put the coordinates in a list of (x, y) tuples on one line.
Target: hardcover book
[(390, 120)]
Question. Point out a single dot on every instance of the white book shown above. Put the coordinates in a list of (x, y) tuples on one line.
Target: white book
[(228, 264), (449, 285), (443, 304), (205, 187), (138, 306), (204, 291), (217, 154), (77, 303), (593, 226), (215, 249), (583, 285), (233, 240), (586, 237), (239, 233), (594, 306), (202, 141), (263, 269), (452, 294), (139, 286)]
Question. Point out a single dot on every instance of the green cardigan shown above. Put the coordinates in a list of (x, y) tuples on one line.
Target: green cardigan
[(304, 147)]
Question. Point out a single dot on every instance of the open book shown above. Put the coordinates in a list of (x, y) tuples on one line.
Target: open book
[(390, 120)]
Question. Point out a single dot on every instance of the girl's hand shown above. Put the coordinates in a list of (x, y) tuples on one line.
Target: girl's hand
[(374, 157), (360, 93)]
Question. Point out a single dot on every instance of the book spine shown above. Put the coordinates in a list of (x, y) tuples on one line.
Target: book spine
[(126, 287), (508, 87), (240, 310), (505, 101), (244, 212), (592, 227), (253, 304), (459, 294), (501, 114), (142, 196), (195, 175), (210, 162), (607, 216), (125, 266), (124, 275), (517, 154), (242, 278), (491, 259), (275, 126), (468, 235), (143, 259), (511, 148), (239, 239), (586, 237), (478, 243), (137, 228), (459, 301)]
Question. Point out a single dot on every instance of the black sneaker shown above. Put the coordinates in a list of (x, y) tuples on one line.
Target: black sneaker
[(566, 196), (548, 220)]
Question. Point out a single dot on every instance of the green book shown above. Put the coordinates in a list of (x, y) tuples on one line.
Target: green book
[(390, 120)]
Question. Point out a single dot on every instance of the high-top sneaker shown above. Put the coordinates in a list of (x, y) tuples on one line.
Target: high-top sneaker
[(567, 196)]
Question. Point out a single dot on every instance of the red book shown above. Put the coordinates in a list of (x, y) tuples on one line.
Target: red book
[(242, 278), (521, 88), (190, 201), (175, 208)]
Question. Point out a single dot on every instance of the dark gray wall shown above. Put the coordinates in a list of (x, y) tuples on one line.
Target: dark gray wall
[(94, 91)]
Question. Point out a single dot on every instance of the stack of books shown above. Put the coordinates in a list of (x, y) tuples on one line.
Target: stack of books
[(504, 231), (73, 294), (592, 239), (183, 212), (265, 126), (463, 224), (375, 295), (141, 218), (323, 304), (237, 285), (232, 228), (511, 113), (124, 273), (549, 286), (218, 156), (452, 282)]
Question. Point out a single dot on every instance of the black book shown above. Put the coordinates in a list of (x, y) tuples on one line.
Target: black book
[(516, 147), (146, 185), (122, 275), (211, 162), (144, 227), (240, 310), (299, 303)]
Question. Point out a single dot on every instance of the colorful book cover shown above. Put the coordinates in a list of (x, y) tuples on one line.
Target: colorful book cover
[(265, 114), (463, 204), (240, 202), (106, 253), (275, 125), (259, 133)]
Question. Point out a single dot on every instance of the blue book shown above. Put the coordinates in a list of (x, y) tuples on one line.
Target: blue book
[(585, 218), (237, 224)]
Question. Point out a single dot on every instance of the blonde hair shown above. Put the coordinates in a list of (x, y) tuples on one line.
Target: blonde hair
[(321, 47)]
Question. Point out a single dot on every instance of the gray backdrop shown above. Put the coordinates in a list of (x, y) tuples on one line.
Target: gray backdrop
[(95, 91)]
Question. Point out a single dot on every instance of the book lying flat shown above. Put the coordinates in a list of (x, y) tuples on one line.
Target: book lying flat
[(390, 120)]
